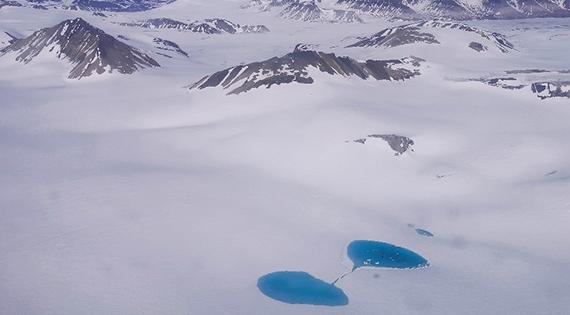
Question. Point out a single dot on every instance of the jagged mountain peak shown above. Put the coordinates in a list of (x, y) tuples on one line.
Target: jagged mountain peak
[(69, 27), (89, 49)]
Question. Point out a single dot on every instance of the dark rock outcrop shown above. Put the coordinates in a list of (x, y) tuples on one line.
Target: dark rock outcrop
[(477, 46), (551, 89), (399, 144)]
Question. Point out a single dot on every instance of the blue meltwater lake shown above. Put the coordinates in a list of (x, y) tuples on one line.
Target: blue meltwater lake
[(380, 254), (297, 287)]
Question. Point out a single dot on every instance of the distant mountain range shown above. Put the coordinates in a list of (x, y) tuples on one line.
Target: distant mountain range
[(462, 9), (118, 5), (87, 48), (297, 67), (90, 5), (344, 10), (208, 26), (305, 10)]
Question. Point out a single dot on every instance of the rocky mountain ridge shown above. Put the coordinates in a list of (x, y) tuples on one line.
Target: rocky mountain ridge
[(297, 67)]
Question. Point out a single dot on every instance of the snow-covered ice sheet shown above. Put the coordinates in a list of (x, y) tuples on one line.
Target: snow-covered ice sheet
[(130, 194)]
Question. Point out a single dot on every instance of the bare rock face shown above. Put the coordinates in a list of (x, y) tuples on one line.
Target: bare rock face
[(89, 49), (295, 66)]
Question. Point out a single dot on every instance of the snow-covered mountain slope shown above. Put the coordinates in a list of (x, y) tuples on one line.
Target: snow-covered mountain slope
[(422, 32), (87, 48), (397, 36), (207, 26), (495, 9), (298, 67)]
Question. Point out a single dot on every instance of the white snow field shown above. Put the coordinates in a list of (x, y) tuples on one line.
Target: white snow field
[(131, 194)]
